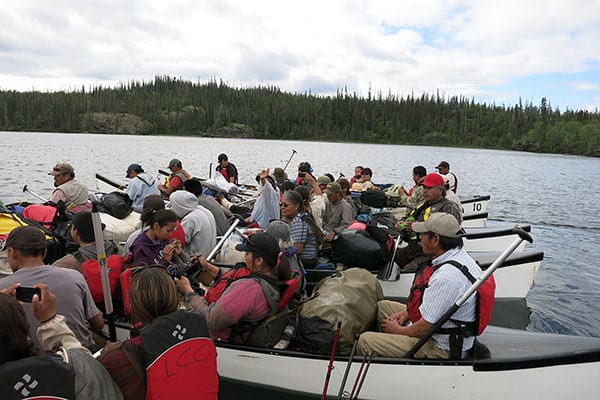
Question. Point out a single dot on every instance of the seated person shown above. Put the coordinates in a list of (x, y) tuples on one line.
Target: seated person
[(26, 251), (338, 212), (431, 296), (153, 246), (415, 195), (220, 213), (61, 353), (245, 302), (152, 294), (198, 224), (141, 186), (82, 232), (302, 228), (366, 179), (68, 189), (266, 206), (176, 180)]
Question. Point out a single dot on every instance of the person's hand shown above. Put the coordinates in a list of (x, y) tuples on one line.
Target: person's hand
[(173, 247), (263, 174), (390, 325), (11, 290), (44, 309), (402, 191), (329, 236), (183, 285)]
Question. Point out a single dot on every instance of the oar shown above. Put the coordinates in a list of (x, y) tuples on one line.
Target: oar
[(289, 159), (384, 273), (330, 366), (25, 189), (342, 386), (362, 378), (216, 249), (488, 272), (99, 238), (112, 183)]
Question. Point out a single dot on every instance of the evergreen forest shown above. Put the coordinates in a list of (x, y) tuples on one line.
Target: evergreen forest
[(171, 106)]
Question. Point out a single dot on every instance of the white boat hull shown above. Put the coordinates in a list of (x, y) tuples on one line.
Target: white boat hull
[(519, 376)]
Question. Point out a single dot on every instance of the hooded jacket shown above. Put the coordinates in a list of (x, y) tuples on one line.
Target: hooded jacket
[(139, 188), (198, 223)]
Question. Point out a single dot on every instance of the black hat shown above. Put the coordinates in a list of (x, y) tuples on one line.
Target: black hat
[(26, 238), (443, 164), (222, 157), (134, 167), (193, 186), (263, 245)]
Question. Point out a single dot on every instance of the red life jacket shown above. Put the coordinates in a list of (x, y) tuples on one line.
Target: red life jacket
[(91, 272), (180, 358), (483, 308)]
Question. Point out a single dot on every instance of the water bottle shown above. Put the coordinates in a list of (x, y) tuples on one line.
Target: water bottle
[(284, 342), (412, 235)]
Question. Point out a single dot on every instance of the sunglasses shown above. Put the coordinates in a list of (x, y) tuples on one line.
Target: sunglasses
[(284, 205)]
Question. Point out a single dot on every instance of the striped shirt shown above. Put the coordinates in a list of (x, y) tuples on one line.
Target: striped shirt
[(302, 233), (446, 285)]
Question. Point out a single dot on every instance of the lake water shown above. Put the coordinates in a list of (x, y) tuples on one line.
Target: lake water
[(557, 195)]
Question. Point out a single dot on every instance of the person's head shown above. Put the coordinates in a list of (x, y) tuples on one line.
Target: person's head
[(287, 186), (304, 192), (161, 223), (25, 245), (14, 331), (439, 233), (152, 203), (333, 192), (291, 204), (305, 167), (62, 172), (183, 203), (433, 187), (152, 294), (366, 175), (419, 172), (345, 185), (175, 165), (281, 232), (133, 169), (358, 171), (331, 178), (193, 186), (263, 255), (82, 228), (223, 160), (323, 181), (279, 174), (443, 167)]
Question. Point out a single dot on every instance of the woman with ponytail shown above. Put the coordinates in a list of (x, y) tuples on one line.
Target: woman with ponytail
[(245, 301)]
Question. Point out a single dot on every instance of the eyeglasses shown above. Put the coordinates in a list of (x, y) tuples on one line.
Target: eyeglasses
[(284, 205)]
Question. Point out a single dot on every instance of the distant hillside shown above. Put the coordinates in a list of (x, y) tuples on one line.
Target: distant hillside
[(169, 106)]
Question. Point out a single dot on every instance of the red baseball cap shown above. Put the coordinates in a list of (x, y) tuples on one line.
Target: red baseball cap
[(433, 179)]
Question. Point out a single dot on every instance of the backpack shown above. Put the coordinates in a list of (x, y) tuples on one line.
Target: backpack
[(180, 358), (355, 248), (91, 272), (117, 204), (38, 377)]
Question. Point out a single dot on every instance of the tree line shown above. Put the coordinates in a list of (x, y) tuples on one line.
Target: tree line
[(171, 106)]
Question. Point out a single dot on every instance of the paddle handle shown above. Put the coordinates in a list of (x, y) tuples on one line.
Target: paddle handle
[(111, 182)]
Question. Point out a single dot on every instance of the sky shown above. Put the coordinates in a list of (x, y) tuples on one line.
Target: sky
[(501, 51)]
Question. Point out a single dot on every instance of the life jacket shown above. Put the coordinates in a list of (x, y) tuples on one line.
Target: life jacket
[(180, 358), (183, 175), (39, 377), (483, 307), (91, 271)]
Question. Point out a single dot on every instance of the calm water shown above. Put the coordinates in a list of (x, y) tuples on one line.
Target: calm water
[(557, 195)]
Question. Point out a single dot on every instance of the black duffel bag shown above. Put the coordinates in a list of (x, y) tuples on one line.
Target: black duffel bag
[(355, 248), (117, 204), (374, 198)]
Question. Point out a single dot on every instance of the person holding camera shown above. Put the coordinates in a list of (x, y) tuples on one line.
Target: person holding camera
[(26, 249), (63, 369)]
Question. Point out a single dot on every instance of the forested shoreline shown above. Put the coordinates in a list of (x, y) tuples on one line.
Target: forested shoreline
[(170, 106)]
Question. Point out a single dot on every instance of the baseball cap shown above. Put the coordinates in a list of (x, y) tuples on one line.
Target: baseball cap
[(333, 187), (62, 168), (433, 179), (323, 180), (443, 164), (261, 244), (26, 237), (175, 163), (133, 167), (441, 223)]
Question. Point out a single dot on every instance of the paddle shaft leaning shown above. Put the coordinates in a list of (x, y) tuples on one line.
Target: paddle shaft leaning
[(26, 189), (343, 384), (289, 159), (101, 253), (330, 366), (472, 289), (111, 182), (218, 246)]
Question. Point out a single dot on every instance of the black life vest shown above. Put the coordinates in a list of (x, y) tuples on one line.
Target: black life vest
[(39, 377)]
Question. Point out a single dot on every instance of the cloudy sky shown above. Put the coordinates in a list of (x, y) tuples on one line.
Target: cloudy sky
[(492, 51)]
